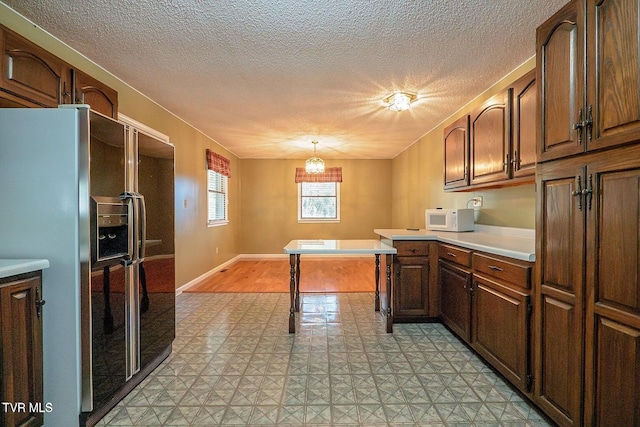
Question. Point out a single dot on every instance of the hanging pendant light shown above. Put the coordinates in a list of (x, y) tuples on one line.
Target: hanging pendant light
[(314, 164)]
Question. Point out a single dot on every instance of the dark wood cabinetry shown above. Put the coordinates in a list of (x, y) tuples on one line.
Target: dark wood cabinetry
[(490, 140), (500, 137), (33, 77), (485, 300), (87, 90), (21, 349), (586, 293), (524, 126), (456, 154), (412, 299), (501, 311), (455, 298), (606, 111)]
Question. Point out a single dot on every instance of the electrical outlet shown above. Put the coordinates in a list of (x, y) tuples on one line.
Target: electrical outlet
[(477, 202), (216, 251)]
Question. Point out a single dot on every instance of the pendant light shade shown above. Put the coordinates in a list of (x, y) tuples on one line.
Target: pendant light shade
[(314, 164)]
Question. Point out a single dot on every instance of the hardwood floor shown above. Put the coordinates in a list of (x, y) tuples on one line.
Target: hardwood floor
[(316, 275)]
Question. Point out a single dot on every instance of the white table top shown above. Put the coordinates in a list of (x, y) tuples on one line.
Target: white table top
[(13, 267), (333, 247)]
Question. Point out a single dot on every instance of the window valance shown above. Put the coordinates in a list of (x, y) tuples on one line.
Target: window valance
[(329, 175), (218, 163)]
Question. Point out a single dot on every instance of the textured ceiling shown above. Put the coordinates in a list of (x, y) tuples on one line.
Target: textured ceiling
[(266, 77)]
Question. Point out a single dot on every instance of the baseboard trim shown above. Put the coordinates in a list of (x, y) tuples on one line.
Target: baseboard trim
[(202, 277)]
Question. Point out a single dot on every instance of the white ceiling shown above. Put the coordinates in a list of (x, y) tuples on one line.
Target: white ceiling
[(266, 77)]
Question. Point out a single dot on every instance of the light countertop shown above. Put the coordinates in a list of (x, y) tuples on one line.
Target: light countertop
[(518, 243), (12, 267)]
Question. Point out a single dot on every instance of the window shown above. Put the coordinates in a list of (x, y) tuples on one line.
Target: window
[(319, 202), (218, 198)]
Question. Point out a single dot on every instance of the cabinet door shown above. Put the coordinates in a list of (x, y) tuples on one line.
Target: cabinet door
[(613, 78), (523, 156), (490, 140), (560, 291), (455, 298), (411, 291), (100, 97), (501, 328), (560, 78), (613, 281), (21, 352), (456, 154), (32, 73)]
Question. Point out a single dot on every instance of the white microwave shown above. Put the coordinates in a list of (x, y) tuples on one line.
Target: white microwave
[(449, 219)]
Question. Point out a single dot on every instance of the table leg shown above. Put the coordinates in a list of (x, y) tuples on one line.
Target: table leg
[(298, 282), (389, 297), (377, 297), (292, 291)]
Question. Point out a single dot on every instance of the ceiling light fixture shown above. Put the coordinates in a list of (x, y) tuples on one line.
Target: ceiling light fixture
[(314, 164), (400, 101)]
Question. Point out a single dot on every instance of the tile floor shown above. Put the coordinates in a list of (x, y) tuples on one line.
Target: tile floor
[(234, 363)]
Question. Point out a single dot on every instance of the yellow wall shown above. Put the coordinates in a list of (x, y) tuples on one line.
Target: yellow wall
[(417, 177), (269, 203), (262, 194), (195, 242)]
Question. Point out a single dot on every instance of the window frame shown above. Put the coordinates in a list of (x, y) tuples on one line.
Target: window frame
[(335, 220), (225, 191)]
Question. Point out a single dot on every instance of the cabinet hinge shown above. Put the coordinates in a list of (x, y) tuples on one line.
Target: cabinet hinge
[(529, 309), (530, 381)]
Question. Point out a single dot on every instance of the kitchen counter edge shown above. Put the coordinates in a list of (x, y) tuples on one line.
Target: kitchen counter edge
[(14, 267), (517, 247)]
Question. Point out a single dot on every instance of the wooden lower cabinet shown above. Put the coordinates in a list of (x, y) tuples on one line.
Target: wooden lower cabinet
[(21, 351), (500, 319), (486, 301), (588, 289), (455, 298)]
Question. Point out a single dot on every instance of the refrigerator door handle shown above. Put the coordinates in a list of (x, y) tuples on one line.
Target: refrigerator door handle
[(142, 210)]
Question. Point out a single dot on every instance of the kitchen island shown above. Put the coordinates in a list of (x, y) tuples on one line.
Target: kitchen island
[(295, 248)]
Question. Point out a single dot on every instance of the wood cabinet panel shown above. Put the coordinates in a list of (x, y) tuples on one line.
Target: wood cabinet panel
[(524, 127), (490, 140), (560, 71), (100, 97), (32, 73), (456, 154), (613, 72), (412, 248), (617, 375), (455, 298), (455, 254), (21, 349), (411, 293), (560, 231), (500, 328), (558, 380), (511, 271)]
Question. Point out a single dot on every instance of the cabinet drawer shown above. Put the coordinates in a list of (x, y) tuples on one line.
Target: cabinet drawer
[(411, 247), (518, 274), (455, 254)]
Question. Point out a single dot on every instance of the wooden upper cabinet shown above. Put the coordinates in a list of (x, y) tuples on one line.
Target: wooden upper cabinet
[(524, 126), (456, 154), (31, 76), (613, 72), (560, 71), (87, 90), (490, 140), (589, 100)]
